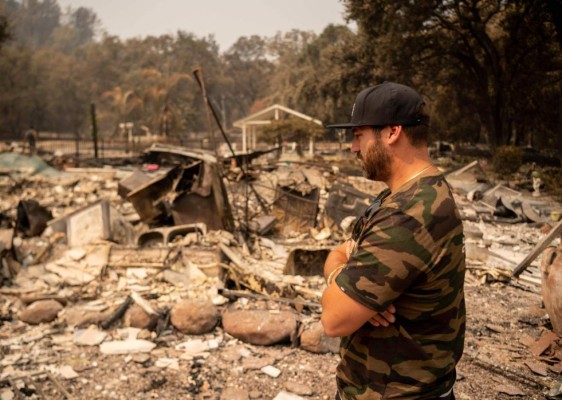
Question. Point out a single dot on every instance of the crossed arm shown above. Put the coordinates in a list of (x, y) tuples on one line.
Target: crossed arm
[(341, 315)]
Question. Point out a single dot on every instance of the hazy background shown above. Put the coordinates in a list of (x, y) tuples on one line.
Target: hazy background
[(491, 72), (227, 20)]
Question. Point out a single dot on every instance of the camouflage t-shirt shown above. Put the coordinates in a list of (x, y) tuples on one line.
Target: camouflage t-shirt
[(410, 253)]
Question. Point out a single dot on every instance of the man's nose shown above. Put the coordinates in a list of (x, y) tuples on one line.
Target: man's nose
[(354, 146)]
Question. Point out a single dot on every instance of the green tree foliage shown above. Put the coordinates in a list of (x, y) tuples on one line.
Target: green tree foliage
[(248, 70), (507, 160), (17, 90), (291, 130), (290, 73), (491, 70), (491, 60), (327, 76), (34, 21), (4, 30), (80, 28)]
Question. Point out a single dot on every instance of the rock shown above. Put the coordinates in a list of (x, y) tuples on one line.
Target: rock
[(7, 394), (551, 269), (141, 358), (194, 317), (136, 317), (89, 337), (256, 362), (271, 371), (167, 363), (282, 395), (315, 340), (129, 346), (255, 394), (194, 347), (78, 316), (146, 334), (509, 390), (234, 394), (260, 327), (67, 372), (41, 311), (298, 388)]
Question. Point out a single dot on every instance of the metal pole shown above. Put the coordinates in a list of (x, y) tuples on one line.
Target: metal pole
[(77, 145), (94, 129), (217, 120), (198, 72)]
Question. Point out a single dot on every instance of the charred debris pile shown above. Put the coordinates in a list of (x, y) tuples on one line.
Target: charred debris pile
[(206, 251)]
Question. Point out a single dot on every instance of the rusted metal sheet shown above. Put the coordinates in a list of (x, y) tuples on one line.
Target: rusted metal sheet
[(189, 208), (295, 211), (207, 202), (31, 218), (147, 198), (192, 192), (344, 201), (306, 261), (131, 182)]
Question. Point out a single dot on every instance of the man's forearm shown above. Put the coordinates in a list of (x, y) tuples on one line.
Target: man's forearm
[(336, 257)]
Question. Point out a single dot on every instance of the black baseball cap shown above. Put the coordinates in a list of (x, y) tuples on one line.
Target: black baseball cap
[(386, 104)]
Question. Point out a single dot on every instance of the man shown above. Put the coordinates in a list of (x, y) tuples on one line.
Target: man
[(395, 289), (31, 139)]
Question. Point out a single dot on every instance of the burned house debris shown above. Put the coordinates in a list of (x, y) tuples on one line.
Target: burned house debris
[(186, 262)]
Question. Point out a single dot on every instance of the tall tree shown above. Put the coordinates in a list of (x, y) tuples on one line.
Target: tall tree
[(495, 52), (248, 71), (35, 21)]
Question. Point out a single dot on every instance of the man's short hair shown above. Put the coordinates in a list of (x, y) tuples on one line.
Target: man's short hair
[(418, 134)]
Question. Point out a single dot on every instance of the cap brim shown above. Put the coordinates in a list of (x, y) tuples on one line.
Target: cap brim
[(342, 126)]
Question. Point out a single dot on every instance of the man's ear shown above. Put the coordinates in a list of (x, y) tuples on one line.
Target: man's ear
[(394, 133)]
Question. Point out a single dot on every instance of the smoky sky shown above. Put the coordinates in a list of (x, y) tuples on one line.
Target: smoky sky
[(227, 20)]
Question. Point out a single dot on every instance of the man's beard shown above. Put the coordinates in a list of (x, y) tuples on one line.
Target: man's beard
[(376, 162)]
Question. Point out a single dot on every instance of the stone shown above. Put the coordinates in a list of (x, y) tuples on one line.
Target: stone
[(7, 394), (234, 394), (41, 311), (67, 372), (129, 346), (89, 337), (141, 358), (136, 317), (194, 347), (78, 316), (271, 371), (256, 362), (298, 388), (255, 394), (510, 390), (282, 395), (260, 327), (315, 340), (167, 363), (194, 317)]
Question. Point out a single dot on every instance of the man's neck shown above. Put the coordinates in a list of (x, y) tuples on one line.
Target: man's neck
[(405, 172)]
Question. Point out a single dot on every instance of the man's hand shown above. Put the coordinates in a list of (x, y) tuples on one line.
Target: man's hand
[(385, 318)]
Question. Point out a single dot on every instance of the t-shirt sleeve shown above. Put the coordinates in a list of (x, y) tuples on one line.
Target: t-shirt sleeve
[(394, 252)]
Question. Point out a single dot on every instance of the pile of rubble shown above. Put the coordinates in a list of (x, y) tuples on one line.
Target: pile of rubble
[(185, 255)]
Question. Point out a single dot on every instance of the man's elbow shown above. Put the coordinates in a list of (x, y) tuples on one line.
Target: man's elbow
[(333, 328)]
